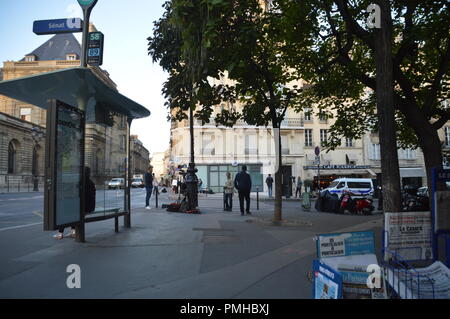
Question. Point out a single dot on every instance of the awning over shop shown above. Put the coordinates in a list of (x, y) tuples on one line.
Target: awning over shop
[(70, 86), (352, 157), (371, 172), (412, 172)]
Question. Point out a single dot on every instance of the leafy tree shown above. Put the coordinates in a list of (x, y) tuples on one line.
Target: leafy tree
[(238, 40), (332, 48)]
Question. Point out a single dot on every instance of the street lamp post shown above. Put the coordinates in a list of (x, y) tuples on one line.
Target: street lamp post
[(37, 136), (87, 6)]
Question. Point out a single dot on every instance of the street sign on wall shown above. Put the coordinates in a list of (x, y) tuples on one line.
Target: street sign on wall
[(95, 49), (57, 26)]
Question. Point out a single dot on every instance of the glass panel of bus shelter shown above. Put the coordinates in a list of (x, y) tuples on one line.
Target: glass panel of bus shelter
[(68, 164), (106, 155)]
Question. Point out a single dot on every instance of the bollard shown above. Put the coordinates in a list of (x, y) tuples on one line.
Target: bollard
[(18, 187), (257, 198), (156, 197)]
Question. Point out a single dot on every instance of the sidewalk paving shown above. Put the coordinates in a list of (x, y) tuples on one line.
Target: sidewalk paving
[(172, 255)]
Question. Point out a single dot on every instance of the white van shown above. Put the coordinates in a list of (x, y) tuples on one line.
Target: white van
[(357, 186)]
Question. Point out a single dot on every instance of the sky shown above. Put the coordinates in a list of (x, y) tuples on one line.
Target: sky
[(126, 26)]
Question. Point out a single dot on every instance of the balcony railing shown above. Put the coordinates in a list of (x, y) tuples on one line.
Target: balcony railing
[(286, 123)]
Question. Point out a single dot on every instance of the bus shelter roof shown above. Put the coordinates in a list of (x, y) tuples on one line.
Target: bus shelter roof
[(71, 86)]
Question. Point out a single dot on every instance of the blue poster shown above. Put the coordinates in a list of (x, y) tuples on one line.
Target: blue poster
[(345, 244), (327, 282)]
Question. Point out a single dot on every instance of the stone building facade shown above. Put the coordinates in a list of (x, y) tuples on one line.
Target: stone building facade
[(105, 145)]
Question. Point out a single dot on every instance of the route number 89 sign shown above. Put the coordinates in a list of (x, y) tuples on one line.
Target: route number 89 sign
[(95, 49)]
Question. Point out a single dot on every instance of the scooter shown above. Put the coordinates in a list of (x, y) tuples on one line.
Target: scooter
[(347, 204), (364, 205), (360, 206)]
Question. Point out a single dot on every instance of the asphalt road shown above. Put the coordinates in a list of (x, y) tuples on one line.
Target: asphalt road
[(24, 209)]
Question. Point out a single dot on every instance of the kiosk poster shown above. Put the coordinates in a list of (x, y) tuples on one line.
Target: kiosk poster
[(354, 284), (327, 282), (345, 244), (442, 209), (408, 234)]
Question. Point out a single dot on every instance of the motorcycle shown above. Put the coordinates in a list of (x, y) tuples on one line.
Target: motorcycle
[(411, 203), (359, 206)]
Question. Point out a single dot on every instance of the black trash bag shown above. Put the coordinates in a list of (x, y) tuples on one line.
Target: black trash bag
[(319, 202), (330, 202)]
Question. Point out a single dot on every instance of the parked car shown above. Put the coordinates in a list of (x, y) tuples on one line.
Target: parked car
[(137, 182), (116, 183), (357, 186)]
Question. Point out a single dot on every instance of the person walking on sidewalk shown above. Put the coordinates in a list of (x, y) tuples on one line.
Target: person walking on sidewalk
[(298, 189), (269, 182), (148, 182), (243, 184), (228, 189)]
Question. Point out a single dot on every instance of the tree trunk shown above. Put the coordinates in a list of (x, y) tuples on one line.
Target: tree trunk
[(385, 109), (278, 177), (432, 153)]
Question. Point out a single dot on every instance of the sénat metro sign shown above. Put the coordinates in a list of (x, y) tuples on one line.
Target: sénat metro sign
[(57, 26)]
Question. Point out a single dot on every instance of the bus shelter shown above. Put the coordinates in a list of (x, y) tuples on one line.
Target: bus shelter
[(87, 162)]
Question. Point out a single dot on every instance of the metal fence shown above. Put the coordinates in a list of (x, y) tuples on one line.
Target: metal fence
[(21, 183)]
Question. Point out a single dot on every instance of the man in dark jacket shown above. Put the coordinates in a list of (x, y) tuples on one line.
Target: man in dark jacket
[(89, 191), (269, 182), (148, 182), (243, 184)]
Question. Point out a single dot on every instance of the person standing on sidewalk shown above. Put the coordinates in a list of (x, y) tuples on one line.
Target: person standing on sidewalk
[(269, 182), (228, 193), (148, 182), (243, 184), (299, 187)]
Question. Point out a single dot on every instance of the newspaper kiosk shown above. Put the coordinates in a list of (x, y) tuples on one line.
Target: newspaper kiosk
[(88, 129), (416, 246), (352, 256)]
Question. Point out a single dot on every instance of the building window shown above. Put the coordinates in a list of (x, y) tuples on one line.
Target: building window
[(447, 136), (251, 144), (12, 158), (307, 114), (374, 152), (285, 145), (208, 144), (30, 58), (123, 140), (322, 117), (25, 114), (407, 154), (71, 57), (308, 138), (123, 122), (348, 142), (323, 137)]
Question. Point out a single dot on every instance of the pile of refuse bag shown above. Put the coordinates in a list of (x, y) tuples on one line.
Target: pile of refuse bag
[(328, 202)]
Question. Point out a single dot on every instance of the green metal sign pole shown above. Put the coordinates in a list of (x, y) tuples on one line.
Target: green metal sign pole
[(87, 6)]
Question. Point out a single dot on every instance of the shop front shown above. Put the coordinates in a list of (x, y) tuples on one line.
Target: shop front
[(214, 176)]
